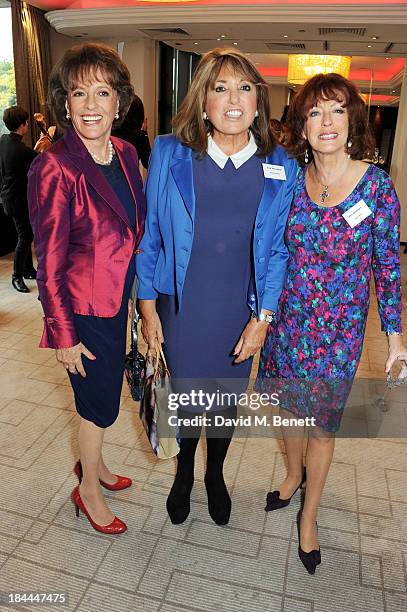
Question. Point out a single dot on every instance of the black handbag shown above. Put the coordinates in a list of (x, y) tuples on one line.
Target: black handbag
[(135, 363)]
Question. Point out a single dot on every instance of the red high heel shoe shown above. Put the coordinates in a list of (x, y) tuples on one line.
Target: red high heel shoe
[(122, 481), (116, 526)]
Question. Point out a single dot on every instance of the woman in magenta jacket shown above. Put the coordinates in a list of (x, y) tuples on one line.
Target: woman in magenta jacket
[(87, 211)]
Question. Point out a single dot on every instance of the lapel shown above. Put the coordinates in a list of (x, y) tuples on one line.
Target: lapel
[(81, 157), (272, 187), (181, 170)]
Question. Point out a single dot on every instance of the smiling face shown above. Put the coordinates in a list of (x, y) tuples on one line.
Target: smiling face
[(231, 104), (92, 105), (327, 127)]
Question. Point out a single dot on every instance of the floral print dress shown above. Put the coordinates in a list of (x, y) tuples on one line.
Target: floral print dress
[(323, 308)]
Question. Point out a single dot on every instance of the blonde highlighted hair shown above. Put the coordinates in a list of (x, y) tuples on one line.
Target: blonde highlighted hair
[(189, 125)]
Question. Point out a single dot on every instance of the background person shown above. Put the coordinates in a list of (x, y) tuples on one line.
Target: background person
[(212, 208), (87, 209), (343, 224), (134, 130), (15, 161)]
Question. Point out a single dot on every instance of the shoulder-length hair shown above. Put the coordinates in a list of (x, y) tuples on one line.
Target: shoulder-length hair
[(190, 127), (82, 63), (330, 86)]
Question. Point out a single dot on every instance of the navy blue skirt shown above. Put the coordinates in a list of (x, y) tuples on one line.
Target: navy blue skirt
[(97, 397)]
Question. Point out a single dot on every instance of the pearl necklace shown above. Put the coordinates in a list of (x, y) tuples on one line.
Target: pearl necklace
[(104, 162)]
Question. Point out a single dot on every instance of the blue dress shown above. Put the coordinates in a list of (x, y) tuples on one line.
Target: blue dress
[(200, 338), (97, 397)]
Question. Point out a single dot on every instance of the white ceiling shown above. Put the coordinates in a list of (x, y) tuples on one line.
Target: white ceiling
[(370, 34)]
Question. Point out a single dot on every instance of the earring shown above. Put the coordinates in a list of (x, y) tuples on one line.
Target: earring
[(116, 115), (204, 116), (68, 116), (306, 158), (349, 143), (256, 114)]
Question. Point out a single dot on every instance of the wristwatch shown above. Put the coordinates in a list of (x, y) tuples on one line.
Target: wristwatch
[(268, 318)]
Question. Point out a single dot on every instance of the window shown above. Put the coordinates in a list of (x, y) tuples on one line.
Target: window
[(7, 79)]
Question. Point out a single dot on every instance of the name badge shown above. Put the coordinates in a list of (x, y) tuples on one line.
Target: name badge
[(274, 172), (357, 213)]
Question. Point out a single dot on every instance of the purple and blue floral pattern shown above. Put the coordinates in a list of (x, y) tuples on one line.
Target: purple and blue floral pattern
[(317, 341)]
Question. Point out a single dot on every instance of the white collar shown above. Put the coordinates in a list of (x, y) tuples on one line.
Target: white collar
[(238, 159)]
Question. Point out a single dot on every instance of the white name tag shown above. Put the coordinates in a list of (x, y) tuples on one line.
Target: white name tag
[(357, 213), (274, 172)]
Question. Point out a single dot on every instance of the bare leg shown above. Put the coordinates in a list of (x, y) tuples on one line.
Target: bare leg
[(90, 445), (105, 474), (319, 457), (293, 441)]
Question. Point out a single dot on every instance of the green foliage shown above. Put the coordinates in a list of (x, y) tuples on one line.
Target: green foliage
[(7, 89)]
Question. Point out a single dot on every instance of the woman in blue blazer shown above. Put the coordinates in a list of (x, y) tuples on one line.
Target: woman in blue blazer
[(213, 258)]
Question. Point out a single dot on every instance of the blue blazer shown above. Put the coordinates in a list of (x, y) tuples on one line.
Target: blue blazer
[(169, 228)]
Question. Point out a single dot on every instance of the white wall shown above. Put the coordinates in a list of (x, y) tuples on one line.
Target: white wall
[(278, 100), (398, 170)]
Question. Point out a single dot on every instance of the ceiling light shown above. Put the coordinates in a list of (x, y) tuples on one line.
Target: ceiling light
[(195, 43), (223, 35), (369, 46), (285, 36), (218, 39), (373, 37), (235, 43), (302, 67), (388, 57)]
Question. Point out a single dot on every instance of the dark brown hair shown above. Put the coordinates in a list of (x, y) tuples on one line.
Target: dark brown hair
[(14, 117), (81, 63), (189, 125), (329, 87)]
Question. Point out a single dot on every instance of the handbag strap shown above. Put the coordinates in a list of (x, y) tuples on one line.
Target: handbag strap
[(159, 355)]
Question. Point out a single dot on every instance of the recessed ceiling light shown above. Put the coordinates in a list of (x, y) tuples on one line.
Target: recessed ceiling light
[(374, 37), (369, 46), (195, 43), (285, 36), (218, 39), (235, 43), (223, 35), (388, 57), (394, 91)]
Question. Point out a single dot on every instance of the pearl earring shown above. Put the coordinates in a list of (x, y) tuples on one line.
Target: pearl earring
[(349, 143), (204, 116), (306, 158), (256, 114), (117, 112)]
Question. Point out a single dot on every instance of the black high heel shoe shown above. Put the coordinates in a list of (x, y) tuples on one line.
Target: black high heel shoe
[(274, 501), (311, 559)]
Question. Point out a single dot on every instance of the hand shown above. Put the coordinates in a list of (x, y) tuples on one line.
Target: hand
[(397, 351), (72, 360), (251, 340), (151, 330)]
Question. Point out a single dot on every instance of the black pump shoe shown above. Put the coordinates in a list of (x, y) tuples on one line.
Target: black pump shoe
[(19, 284), (274, 501), (219, 502), (311, 559), (179, 499)]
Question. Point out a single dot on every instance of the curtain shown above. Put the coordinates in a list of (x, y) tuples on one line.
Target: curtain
[(32, 61)]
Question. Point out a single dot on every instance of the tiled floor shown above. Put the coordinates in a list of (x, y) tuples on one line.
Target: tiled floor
[(249, 566)]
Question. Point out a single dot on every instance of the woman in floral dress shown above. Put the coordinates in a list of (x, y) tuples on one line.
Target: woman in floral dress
[(344, 222)]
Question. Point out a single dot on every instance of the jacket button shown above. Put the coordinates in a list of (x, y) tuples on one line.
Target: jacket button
[(259, 241), (259, 225), (261, 259), (261, 276)]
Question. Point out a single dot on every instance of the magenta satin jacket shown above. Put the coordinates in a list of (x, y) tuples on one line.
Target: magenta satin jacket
[(82, 235)]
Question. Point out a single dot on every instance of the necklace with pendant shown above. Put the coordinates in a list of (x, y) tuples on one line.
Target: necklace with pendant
[(324, 195)]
